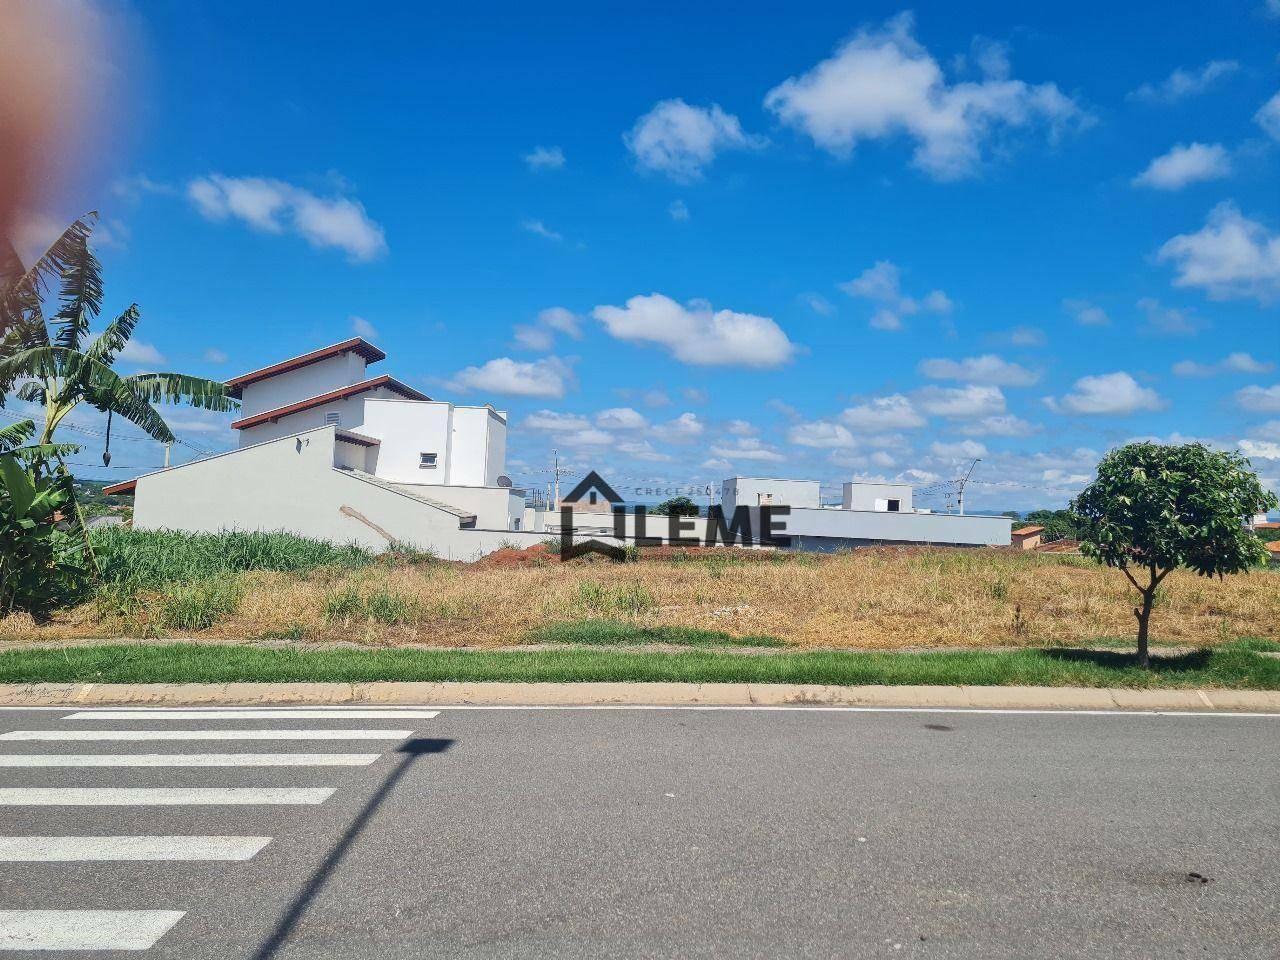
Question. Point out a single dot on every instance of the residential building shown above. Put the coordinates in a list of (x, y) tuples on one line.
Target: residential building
[(325, 450)]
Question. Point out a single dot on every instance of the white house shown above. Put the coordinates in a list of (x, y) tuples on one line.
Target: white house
[(869, 513), (326, 450)]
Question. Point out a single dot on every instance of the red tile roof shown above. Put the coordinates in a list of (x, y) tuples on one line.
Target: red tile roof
[(1027, 531), (390, 383), (127, 487), (359, 439), (358, 345)]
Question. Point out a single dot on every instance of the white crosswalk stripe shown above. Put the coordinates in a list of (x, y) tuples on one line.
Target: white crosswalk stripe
[(87, 735), (188, 759), (159, 796), (74, 849), (300, 714), (139, 930), (84, 929)]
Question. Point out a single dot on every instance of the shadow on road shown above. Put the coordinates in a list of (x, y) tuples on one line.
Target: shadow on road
[(411, 749)]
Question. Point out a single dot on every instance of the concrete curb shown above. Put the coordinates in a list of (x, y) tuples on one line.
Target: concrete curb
[(635, 694)]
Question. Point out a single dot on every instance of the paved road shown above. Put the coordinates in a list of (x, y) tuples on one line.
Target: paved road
[(638, 833)]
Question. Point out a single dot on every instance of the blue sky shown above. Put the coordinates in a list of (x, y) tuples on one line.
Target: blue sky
[(710, 240)]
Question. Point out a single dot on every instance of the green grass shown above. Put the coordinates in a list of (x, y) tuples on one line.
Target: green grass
[(198, 604), (614, 633), (133, 560), (349, 606), (1232, 666)]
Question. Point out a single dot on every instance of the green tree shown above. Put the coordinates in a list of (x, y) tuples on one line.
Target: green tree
[(678, 507), (38, 565), (1154, 508), (1058, 523), (51, 362)]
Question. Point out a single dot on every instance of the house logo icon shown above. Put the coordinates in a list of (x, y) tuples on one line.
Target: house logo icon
[(592, 496)]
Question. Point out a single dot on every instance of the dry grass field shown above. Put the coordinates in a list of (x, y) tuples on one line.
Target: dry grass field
[(872, 599)]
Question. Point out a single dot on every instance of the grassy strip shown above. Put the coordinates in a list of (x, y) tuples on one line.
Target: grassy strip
[(1233, 666), (614, 633), (151, 559)]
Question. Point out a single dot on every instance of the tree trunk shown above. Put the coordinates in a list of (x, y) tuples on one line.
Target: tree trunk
[(1143, 614)]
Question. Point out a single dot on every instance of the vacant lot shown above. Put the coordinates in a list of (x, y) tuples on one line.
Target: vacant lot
[(871, 599)]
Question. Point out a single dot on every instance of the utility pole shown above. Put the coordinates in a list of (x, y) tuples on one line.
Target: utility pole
[(167, 448), (555, 472), (960, 495)]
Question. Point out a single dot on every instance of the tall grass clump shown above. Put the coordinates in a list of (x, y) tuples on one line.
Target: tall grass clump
[(198, 604), (349, 605), (133, 560)]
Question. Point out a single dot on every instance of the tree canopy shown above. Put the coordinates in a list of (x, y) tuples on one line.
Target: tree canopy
[(1154, 508)]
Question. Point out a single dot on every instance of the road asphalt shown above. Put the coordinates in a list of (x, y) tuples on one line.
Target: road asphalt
[(600, 833)]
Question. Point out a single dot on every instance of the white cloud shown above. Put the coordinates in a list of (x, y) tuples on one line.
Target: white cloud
[(883, 84), (1230, 257), (894, 412), (695, 394), (821, 433), (137, 353), (987, 368), (679, 140), (741, 428), (274, 206), (882, 285), (540, 229), (1167, 321), (960, 450), (687, 426), (1184, 164), (698, 335), (1261, 449), (747, 448), (1001, 425), (589, 437), (969, 402), (656, 398), (1086, 313), (1108, 394), (363, 328), (818, 304), (555, 422), (540, 378), (643, 450), (214, 355), (540, 335), (679, 211), (545, 158), (1268, 117), (1270, 430), (1259, 399), (1184, 83), (133, 188), (1232, 363), (621, 418)]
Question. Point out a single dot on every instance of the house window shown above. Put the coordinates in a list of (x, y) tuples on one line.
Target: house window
[(426, 461), (894, 506), (333, 419), (515, 523), (763, 499)]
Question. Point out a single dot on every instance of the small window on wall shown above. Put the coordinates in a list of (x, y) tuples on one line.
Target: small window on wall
[(333, 419), (515, 523), (894, 506), (426, 461)]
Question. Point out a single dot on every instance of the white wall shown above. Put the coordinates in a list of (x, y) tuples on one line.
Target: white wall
[(747, 491), (408, 429), (870, 526), (291, 484), (875, 496), (494, 507), (310, 381), (351, 409)]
